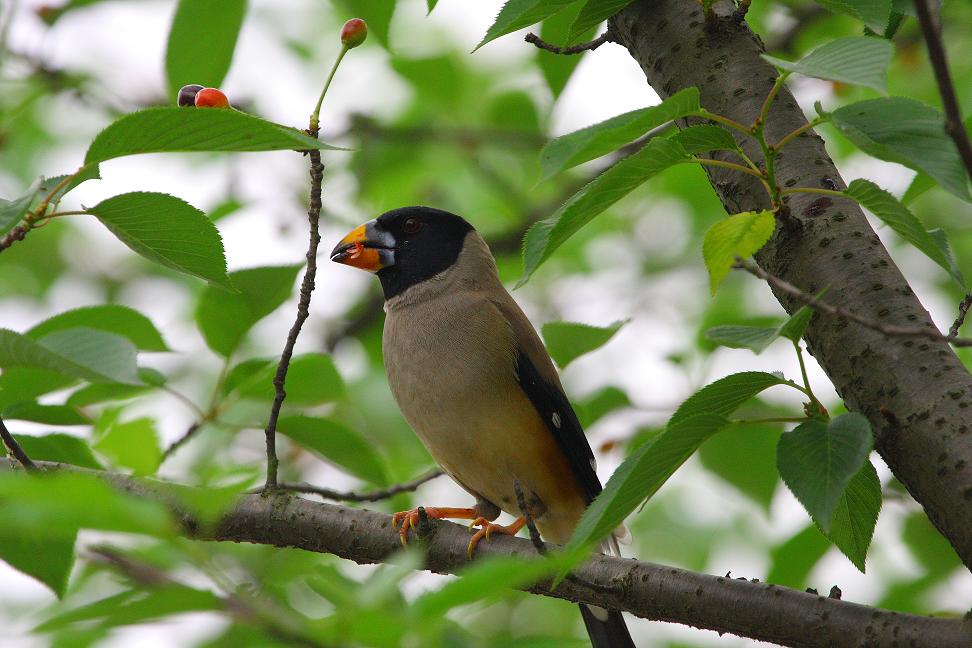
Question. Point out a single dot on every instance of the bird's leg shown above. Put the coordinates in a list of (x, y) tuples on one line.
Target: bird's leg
[(409, 519), (488, 528)]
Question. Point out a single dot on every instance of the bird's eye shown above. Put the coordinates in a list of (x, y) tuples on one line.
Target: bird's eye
[(411, 225)]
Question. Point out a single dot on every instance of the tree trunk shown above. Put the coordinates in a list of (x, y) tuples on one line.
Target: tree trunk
[(915, 392)]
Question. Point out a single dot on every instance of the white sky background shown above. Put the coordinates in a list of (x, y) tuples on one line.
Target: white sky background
[(124, 43)]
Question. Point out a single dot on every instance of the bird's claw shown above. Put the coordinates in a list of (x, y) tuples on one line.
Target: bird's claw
[(406, 520), (488, 528)]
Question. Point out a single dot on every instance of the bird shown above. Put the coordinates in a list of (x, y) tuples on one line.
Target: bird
[(476, 384)]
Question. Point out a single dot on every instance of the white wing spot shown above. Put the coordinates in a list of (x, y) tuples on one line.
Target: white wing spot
[(556, 420)]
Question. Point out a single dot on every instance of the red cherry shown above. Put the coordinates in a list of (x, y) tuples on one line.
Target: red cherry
[(187, 95), (354, 32), (211, 98)]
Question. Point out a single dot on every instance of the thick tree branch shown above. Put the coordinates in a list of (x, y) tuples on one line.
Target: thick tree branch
[(757, 610), (920, 382), (931, 29)]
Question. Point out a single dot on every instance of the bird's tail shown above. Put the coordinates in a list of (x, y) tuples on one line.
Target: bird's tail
[(606, 628)]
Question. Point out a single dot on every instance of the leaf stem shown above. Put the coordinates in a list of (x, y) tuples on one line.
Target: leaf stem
[(315, 122), (815, 190), (806, 379), (735, 167), (725, 121), (797, 133), (772, 419), (764, 111)]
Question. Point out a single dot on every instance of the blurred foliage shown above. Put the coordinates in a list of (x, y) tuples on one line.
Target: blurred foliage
[(465, 135)]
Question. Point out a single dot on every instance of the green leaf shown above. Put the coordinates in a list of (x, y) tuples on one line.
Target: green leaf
[(12, 211), (61, 503), (858, 60), (602, 402), (855, 517), (740, 235), (901, 220), (312, 379), (874, 13), (928, 546), (517, 14), (337, 444), (50, 414), (908, 132), (757, 338), (557, 69), (19, 384), (567, 341), (201, 42), (745, 457), (172, 129), (104, 392), (640, 476), (549, 234), (59, 447), (704, 138), (49, 560), (83, 353), (607, 136), (83, 174), (817, 460), (133, 444), (164, 600), (723, 396), (167, 230), (224, 318), (482, 581), (121, 320), (593, 14)]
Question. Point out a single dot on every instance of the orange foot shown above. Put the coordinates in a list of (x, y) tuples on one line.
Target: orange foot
[(488, 528), (409, 519)]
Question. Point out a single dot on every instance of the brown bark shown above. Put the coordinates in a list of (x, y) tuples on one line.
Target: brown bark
[(916, 393)]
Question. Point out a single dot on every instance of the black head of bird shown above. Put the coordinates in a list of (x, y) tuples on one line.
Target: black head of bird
[(404, 246)]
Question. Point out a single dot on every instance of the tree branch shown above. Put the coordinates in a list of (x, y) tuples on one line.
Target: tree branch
[(756, 610), (13, 448), (303, 312), (367, 496), (821, 305), (590, 46), (921, 382), (931, 29)]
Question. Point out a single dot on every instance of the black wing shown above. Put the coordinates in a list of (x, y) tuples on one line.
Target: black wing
[(559, 417)]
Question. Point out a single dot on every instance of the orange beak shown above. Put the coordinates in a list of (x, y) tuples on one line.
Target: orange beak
[(367, 246)]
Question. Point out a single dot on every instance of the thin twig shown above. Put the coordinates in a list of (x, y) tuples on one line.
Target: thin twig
[(936, 53), (963, 311), (741, 10), (178, 443), (303, 311), (13, 448), (810, 300), (606, 37), (367, 496)]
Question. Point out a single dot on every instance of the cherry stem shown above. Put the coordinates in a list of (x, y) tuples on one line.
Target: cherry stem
[(315, 123)]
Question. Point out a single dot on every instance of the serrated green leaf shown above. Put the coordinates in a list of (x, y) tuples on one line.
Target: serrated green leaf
[(908, 132), (337, 444), (49, 414), (704, 138), (517, 14), (166, 230), (49, 560), (83, 174), (555, 29), (723, 396), (224, 317), (27, 383), (757, 338), (640, 476), (593, 14), (606, 189), (91, 355), (901, 220), (12, 211), (482, 581), (567, 341), (201, 42), (170, 129), (121, 320), (103, 393), (605, 137), (874, 13), (739, 235), (56, 446), (855, 516), (858, 60), (818, 459)]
